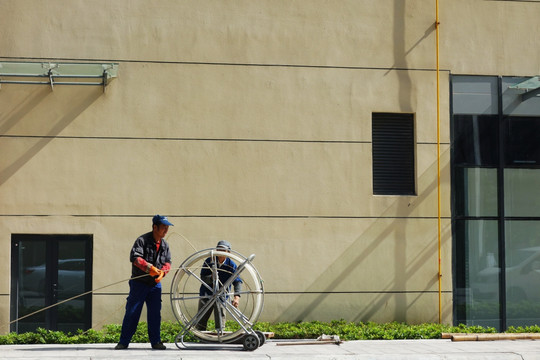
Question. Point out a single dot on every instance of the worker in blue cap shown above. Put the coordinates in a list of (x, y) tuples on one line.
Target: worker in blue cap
[(150, 259), (225, 269)]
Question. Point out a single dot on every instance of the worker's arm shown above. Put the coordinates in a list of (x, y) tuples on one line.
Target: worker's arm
[(237, 285), (166, 268), (141, 264), (146, 266)]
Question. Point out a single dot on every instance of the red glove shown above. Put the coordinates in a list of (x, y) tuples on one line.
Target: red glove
[(166, 268)]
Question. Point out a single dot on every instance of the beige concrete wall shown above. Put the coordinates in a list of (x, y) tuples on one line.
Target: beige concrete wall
[(477, 36), (249, 121), (490, 37), (320, 268), (373, 33), (298, 170), (185, 101)]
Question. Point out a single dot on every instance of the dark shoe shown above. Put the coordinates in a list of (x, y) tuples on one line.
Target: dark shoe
[(159, 346), (120, 347)]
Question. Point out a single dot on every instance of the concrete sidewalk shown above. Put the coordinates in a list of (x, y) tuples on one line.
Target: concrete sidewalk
[(348, 350)]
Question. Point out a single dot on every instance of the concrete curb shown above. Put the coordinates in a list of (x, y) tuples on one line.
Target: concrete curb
[(348, 350)]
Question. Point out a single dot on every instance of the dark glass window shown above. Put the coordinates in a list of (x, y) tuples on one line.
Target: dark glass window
[(476, 297), (393, 154), (476, 140), (46, 270), (522, 270), (522, 145), (495, 210), (477, 187)]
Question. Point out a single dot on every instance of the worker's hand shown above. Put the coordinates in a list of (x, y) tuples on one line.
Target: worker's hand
[(160, 276), (154, 271), (236, 301)]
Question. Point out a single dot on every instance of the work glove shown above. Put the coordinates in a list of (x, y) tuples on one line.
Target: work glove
[(154, 271), (161, 275)]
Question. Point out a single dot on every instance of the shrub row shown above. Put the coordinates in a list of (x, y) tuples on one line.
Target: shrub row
[(301, 330)]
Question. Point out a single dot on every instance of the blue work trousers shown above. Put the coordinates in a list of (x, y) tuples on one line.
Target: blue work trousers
[(139, 294)]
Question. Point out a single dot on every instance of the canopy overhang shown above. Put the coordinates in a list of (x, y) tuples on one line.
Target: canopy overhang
[(54, 73)]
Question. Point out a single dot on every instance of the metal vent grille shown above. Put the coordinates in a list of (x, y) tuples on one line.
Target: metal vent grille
[(393, 154)]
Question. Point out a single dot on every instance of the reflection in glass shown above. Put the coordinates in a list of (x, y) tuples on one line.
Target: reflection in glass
[(522, 273), (477, 284), (478, 187), (521, 192), (475, 140), (32, 284), (71, 282)]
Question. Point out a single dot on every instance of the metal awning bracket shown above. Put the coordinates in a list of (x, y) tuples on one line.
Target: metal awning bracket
[(531, 88), (110, 71), (51, 81), (530, 94), (34, 73)]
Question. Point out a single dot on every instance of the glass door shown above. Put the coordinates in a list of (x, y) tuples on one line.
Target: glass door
[(46, 270)]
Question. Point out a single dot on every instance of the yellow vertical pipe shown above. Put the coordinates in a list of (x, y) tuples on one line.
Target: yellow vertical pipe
[(437, 24)]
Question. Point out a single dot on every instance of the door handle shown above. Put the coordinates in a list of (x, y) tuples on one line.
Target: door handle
[(55, 292)]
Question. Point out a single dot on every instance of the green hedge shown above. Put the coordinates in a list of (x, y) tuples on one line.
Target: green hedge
[(301, 330)]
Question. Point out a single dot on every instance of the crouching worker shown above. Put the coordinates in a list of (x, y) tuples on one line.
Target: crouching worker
[(151, 261), (225, 269)]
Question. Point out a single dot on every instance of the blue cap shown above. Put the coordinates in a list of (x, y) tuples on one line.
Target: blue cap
[(223, 245), (159, 219)]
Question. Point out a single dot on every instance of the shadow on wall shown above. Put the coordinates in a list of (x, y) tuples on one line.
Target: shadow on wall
[(406, 101), (385, 235), (400, 55), (383, 232), (37, 115)]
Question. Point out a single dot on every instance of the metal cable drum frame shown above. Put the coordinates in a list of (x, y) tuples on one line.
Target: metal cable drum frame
[(185, 300)]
